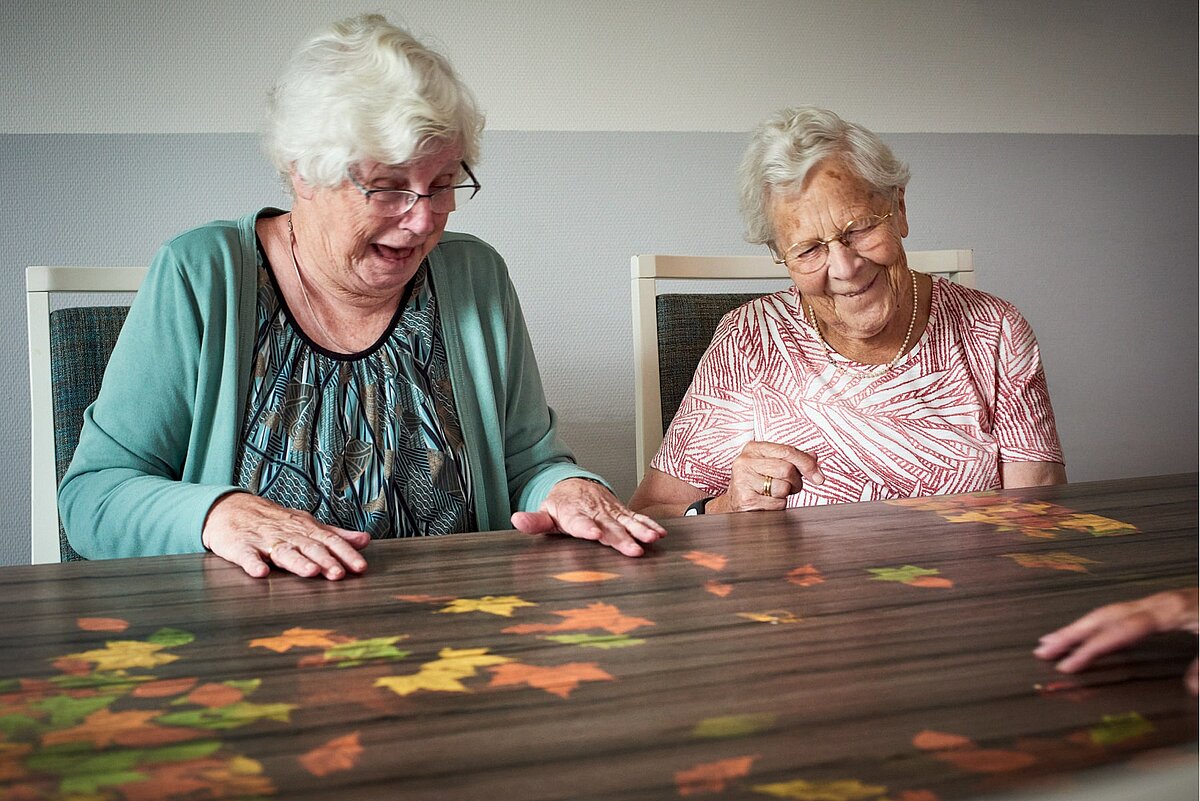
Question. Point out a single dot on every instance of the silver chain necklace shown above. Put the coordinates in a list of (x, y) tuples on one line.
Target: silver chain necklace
[(878, 369), (304, 294)]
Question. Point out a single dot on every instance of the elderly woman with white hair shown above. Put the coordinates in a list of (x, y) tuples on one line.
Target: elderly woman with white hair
[(290, 385), (864, 380)]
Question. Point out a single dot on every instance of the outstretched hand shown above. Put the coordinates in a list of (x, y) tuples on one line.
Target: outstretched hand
[(1116, 626), (589, 511)]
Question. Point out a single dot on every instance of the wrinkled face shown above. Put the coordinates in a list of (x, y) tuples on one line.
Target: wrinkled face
[(855, 295), (365, 253)]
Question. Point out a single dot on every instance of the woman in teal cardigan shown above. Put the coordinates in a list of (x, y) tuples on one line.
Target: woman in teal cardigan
[(290, 385)]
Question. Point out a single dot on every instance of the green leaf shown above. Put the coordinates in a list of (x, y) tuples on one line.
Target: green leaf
[(1115, 729), (351, 654), (228, 717), (902, 574), (81, 759), (18, 727), (605, 641), (733, 725), (65, 711), (91, 782), (170, 638), (182, 752), (9, 686), (117, 682)]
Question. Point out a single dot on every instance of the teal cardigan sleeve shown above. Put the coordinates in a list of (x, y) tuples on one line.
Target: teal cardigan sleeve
[(497, 386), (157, 446)]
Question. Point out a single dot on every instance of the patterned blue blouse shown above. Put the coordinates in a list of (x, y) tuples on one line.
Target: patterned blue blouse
[(366, 441)]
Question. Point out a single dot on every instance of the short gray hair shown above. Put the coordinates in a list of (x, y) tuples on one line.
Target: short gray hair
[(791, 142), (366, 89)]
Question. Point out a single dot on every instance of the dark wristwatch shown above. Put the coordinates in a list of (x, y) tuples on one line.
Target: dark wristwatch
[(697, 508)]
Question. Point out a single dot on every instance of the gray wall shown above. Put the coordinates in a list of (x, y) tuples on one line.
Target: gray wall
[(1056, 139)]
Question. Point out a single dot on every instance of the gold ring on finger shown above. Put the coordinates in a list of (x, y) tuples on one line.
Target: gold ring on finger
[(766, 490)]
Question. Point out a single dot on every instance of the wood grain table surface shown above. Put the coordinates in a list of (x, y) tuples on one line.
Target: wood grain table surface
[(847, 653)]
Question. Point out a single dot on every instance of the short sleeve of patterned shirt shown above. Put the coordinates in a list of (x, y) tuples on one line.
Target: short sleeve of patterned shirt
[(968, 397)]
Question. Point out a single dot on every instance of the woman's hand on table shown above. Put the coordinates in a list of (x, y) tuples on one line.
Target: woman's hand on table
[(763, 475), (1115, 626), (589, 511), (255, 533)]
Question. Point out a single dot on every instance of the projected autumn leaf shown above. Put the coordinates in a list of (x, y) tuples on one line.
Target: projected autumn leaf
[(602, 641), (711, 777), (805, 576), (718, 588), (131, 728), (444, 674), (911, 575), (1115, 729), (838, 790), (594, 616), (298, 638), (940, 741), (126, 654), (340, 753), (986, 760), (713, 561), (559, 679), (585, 576), (1058, 560), (502, 605)]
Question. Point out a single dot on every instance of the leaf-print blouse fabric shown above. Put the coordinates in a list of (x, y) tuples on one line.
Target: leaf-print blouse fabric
[(971, 395), (367, 441)]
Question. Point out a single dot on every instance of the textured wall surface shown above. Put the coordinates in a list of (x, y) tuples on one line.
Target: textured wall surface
[(1073, 180)]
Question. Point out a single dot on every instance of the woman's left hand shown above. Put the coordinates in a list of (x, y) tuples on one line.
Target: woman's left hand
[(587, 510)]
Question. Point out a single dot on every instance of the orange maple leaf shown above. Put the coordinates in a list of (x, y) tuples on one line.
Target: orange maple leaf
[(593, 616), (713, 561), (425, 599), (717, 588), (559, 679), (298, 638), (215, 695), (939, 741), (102, 623), (982, 760), (930, 581), (710, 777), (805, 576), (340, 753), (585, 576), (72, 667), (132, 728)]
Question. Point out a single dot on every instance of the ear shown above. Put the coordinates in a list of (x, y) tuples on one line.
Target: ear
[(901, 215), (300, 187)]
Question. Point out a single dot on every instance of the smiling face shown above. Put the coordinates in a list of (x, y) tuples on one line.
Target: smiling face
[(856, 295), (359, 252)]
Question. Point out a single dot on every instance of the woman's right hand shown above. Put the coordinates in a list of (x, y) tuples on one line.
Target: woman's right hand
[(255, 533), (786, 467)]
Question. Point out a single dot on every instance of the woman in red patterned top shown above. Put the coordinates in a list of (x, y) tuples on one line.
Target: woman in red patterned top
[(865, 380)]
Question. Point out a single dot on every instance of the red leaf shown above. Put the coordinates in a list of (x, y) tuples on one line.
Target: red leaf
[(559, 679), (940, 741), (987, 761), (717, 588), (102, 623), (713, 561), (340, 753), (710, 777), (163, 688), (215, 695), (805, 576)]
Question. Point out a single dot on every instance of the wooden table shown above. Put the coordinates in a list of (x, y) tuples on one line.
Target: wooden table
[(848, 653)]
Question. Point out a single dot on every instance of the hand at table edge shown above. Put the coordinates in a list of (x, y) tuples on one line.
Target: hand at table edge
[(1114, 626), (587, 510), (255, 533)]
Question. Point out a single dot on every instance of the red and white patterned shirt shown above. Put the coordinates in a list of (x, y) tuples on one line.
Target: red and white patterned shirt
[(969, 396)]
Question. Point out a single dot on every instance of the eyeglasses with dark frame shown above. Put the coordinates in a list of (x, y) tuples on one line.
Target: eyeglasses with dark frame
[(812, 254), (395, 202)]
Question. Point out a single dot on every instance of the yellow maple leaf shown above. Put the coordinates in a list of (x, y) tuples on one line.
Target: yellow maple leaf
[(502, 605), (443, 674), (297, 638), (125, 654), (772, 616), (839, 790)]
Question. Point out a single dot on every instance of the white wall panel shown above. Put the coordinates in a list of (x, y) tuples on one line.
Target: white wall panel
[(1024, 66)]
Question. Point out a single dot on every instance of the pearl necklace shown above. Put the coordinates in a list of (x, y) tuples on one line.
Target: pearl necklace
[(304, 294), (881, 368)]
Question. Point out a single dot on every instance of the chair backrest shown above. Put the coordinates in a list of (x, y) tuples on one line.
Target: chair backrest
[(68, 351), (671, 331)]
